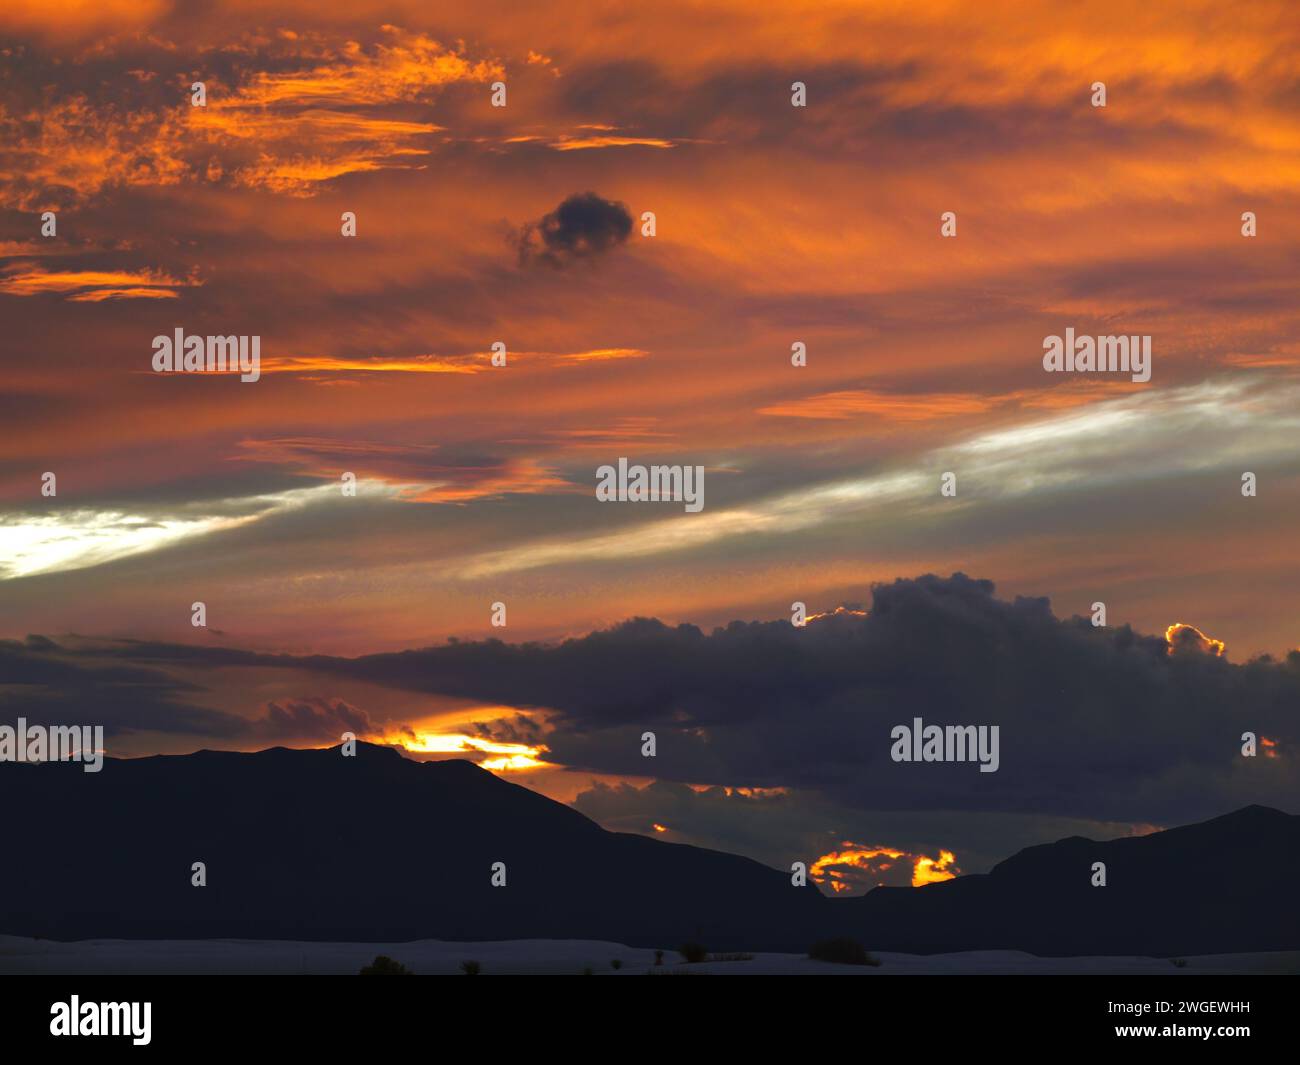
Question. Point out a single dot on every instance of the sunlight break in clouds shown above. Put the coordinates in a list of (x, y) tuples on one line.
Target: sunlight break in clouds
[(1074, 450), (858, 867), (507, 756), (77, 539)]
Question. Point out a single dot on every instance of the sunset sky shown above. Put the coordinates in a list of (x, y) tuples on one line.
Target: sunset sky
[(774, 225)]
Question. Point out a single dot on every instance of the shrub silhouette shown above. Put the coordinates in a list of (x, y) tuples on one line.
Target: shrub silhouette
[(693, 952), (383, 965), (843, 951), (470, 968), (617, 963)]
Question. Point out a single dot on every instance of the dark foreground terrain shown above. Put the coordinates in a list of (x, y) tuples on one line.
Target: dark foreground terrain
[(309, 845)]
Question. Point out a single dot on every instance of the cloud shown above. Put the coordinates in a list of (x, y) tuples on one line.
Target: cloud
[(1185, 639), (1240, 419), (582, 227), (80, 17), (46, 685), (91, 286), (286, 113), (574, 143), (857, 868), (412, 470), (1094, 723), (864, 403), (780, 826), (985, 114), (878, 406), (314, 720), (77, 539), (34, 542), (471, 363)]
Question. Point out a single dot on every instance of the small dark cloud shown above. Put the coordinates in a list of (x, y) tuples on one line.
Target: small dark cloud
[(314, 719), (583, 226), (519, 729)]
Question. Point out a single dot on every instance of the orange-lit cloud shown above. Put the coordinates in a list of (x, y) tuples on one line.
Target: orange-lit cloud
[(476, 362), (574, 144), (463, 484), (83, 148), (92, 285), (876, 405), (923, 351), (1182, 637), (285, 130), (839, 612), (504, 756), (932, 406), (857, 867), (415, 470), (933, 870), (595, 355), (744, 792), (624, 432), (845, 869), (318, 364), (99, 295), (75, 18)]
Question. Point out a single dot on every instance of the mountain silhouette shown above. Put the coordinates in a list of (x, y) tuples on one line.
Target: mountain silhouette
[(311, 845), (1226, 885)]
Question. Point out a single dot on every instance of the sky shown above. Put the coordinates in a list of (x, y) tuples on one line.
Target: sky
[(524, 225)]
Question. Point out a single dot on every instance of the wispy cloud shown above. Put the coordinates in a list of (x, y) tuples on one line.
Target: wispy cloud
[(471, 363), (63, 540), (319, 114), (1231, 419), (414, 473), (92, 285)]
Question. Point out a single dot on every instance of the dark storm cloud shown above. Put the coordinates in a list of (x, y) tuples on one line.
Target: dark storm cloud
[(583, 226), (1094, 722), (41, 682)]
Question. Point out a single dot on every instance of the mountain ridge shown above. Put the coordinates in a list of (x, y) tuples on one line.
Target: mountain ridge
[(310, 845)]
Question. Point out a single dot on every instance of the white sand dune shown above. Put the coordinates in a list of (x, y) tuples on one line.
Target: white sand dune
[(552, 956)]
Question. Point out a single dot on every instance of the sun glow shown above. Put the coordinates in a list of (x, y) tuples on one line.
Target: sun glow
[(508, 756), (857, 866), (839, 611), (832, 868), (931, 870)]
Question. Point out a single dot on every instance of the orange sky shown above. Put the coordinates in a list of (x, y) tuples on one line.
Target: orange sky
[(774, 225)]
